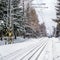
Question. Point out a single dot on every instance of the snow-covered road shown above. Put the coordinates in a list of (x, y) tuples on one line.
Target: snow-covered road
[(32, 49)]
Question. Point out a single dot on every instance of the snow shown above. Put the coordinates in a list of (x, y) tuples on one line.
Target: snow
[(32, 49), (56, 49), (45, 14), (19, 39)]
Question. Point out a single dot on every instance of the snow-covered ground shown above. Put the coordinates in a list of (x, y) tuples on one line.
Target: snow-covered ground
[(32, 49), (56, 49)]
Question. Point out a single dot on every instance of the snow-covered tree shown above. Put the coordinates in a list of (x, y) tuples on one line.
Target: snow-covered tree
[(57, 20)]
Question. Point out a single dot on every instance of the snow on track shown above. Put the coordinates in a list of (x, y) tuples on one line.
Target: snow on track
[(28, 50)]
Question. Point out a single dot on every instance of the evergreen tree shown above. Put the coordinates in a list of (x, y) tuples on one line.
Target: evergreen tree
[(58, 18)]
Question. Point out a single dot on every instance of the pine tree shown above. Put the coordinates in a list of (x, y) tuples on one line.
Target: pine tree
[(17, 14), (58, 18)]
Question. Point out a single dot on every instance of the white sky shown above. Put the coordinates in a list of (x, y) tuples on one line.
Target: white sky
[(46, 14)]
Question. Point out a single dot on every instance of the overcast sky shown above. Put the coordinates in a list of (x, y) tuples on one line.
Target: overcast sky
[(46, 14)]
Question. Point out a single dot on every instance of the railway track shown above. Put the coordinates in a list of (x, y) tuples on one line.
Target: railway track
[(29, 52), (31, 55)]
